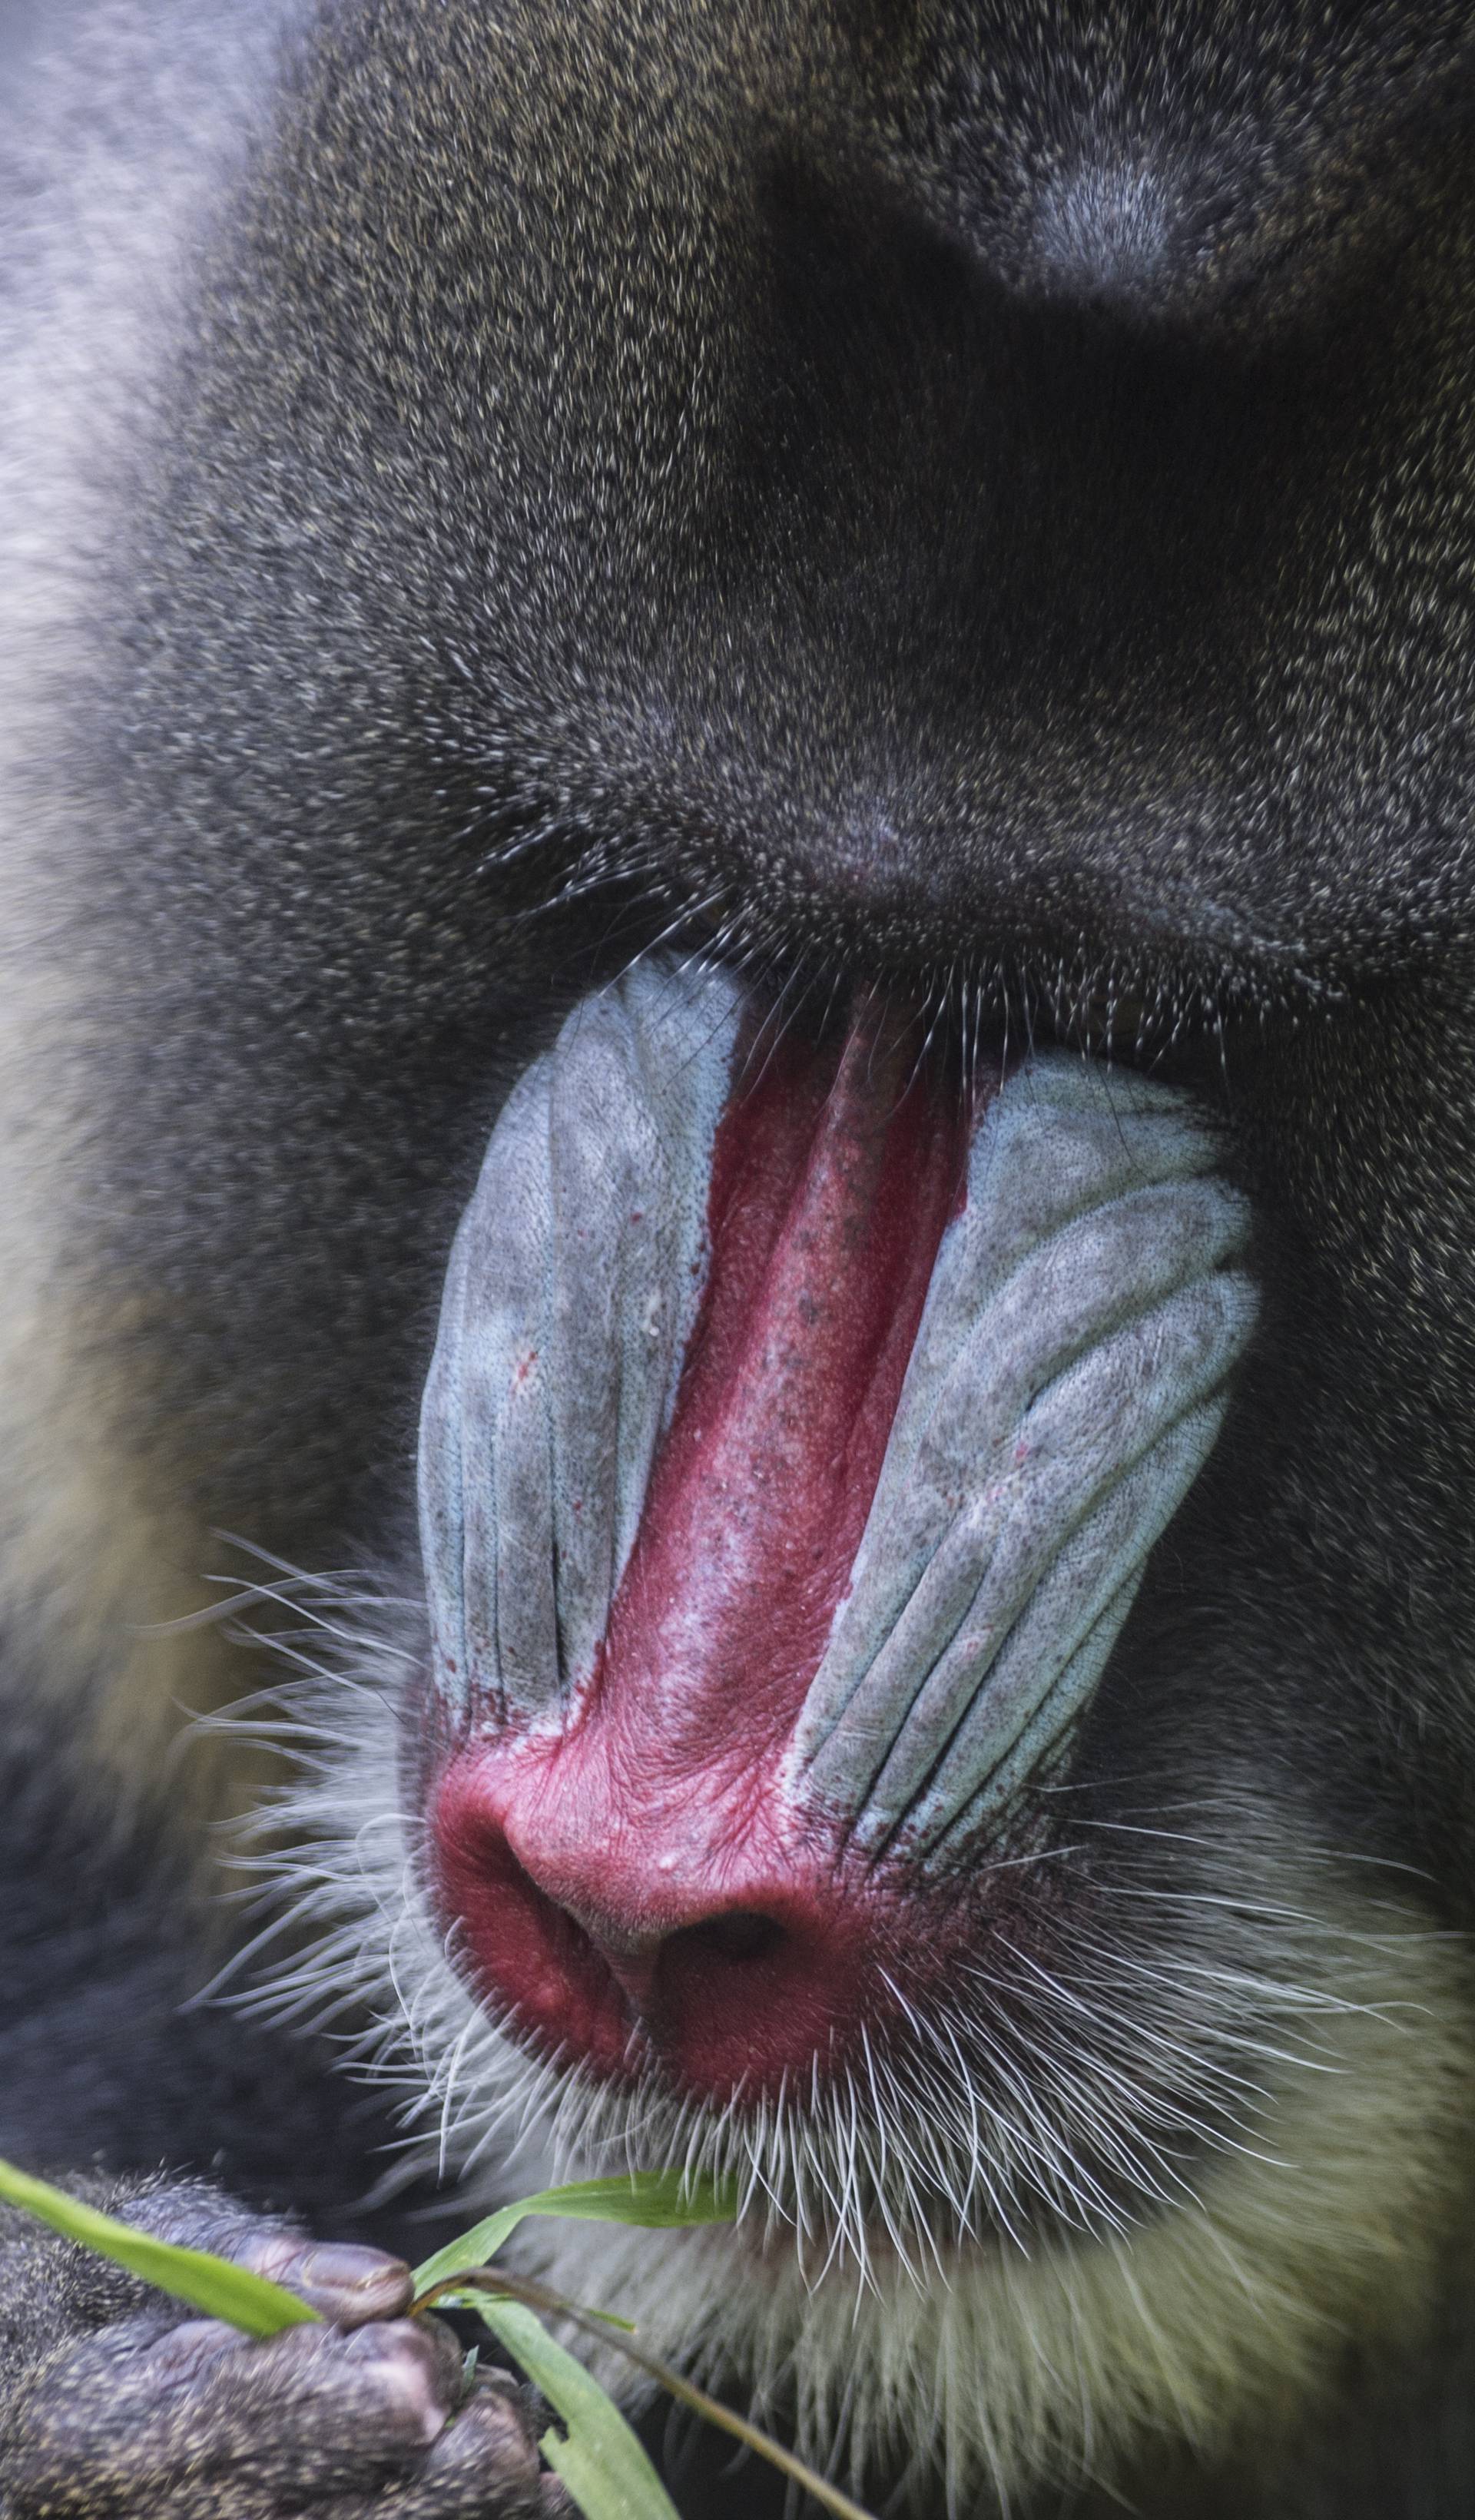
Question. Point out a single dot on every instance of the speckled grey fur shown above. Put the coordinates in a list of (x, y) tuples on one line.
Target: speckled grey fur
[(978, 497)]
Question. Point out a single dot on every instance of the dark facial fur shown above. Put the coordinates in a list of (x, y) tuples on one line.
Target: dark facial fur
[(963, 509)]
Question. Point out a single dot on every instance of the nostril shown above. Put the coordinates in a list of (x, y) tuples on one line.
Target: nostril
[(592, 1974), (619, 1948), (742, 1934)]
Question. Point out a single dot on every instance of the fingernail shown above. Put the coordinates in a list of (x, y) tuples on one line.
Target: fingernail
[(341, 2266), (354, 2282)]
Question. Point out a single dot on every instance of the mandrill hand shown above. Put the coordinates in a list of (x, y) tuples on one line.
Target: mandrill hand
[(121, 2406)]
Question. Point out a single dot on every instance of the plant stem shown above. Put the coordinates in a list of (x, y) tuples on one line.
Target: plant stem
[(553, 2304)]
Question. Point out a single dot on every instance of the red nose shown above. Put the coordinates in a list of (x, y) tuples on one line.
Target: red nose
[(640, 1882), (616, 1928)]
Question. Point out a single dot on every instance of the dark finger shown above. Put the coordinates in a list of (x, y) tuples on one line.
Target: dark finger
[(346, 2286), (484, 2465)]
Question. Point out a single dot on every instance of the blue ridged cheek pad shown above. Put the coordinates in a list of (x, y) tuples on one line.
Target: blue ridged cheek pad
[(1066, 1386), (573, 1287)]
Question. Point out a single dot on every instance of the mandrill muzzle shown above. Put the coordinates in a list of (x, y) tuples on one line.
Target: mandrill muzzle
[(796, 1436)]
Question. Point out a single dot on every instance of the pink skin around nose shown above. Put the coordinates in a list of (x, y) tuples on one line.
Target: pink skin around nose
[(639, 1884)]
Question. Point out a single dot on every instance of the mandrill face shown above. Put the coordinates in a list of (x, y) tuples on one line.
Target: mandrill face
[(814, 664)]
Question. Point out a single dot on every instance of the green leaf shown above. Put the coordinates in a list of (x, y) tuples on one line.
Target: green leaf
[(252, 2303), (601, 2461), (655, 2200)]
